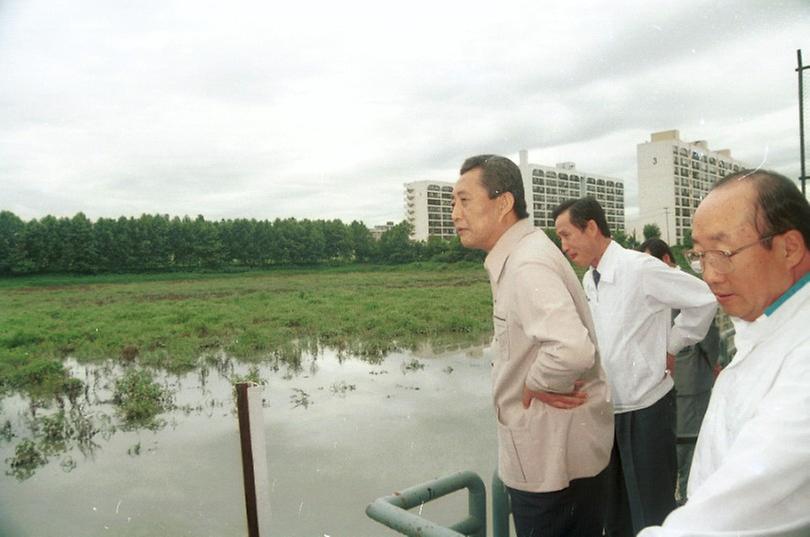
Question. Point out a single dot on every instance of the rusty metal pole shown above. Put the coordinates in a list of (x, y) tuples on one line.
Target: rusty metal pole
[(254, 460)]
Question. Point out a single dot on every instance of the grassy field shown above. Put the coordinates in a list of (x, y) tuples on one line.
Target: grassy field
[(170, 321)]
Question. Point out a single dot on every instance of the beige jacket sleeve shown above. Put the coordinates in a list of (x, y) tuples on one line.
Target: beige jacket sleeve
[(547, 313)]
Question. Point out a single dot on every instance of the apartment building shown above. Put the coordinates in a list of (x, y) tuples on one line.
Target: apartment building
[(673, 177), (428, 208), (548, 186), (378, 230)]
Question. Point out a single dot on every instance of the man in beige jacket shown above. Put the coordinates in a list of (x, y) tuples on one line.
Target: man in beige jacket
[(552, 403)]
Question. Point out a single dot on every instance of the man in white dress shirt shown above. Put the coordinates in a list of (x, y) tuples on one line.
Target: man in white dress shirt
[(696, 368), (751, 471), (630, 295)]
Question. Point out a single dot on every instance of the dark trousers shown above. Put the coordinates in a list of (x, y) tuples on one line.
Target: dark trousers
[(690, 410), (643, 469), (576, 511)]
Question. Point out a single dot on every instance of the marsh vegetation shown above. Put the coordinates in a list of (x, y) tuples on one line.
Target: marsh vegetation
[(174, 321), (131, 332)]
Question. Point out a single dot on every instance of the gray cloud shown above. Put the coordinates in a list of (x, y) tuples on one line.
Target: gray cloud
[(324, 110)]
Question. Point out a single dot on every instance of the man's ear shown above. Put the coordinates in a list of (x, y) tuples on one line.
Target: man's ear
[(592, 229), (506, 203), (793, 247)]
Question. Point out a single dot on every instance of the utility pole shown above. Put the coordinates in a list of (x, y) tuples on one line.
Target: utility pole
[(800, 69)]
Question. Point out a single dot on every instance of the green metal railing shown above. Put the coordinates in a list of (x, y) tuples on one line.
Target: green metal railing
[(392, 510), (500, 507)]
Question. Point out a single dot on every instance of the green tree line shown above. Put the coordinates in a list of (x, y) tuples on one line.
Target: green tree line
[(158, 243)]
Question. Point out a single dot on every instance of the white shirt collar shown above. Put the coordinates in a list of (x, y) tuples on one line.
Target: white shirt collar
[(749, 333), (607, 263)]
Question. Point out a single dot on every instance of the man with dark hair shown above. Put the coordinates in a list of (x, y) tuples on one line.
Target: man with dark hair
[(580, 211), (498, 177), (630, 297), (659, 249), (750, 472), (695, 369), (554, 417)]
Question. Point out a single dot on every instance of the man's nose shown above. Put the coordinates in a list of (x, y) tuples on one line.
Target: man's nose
[(456, 214), (711, 274)]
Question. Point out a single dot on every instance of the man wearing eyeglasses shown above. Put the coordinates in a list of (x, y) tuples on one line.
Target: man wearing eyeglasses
[(631, 296), (751, 470)]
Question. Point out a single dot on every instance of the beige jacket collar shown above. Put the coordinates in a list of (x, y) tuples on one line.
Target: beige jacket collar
[(496, 258)]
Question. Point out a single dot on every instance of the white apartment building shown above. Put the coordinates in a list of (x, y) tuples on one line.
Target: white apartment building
[(548, 186), (428, 208), (378, 230), (673, 177)]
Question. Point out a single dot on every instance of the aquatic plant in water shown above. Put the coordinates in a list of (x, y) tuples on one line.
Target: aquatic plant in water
[(412, 365), (54, 435), (27, 458), (140, 400), (340, 388), (300, 398)]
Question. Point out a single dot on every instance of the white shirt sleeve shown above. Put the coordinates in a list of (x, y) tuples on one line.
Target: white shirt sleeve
[(762, 486), (676, 289)]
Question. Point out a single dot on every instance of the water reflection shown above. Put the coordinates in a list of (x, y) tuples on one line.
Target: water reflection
[(55, 436), (340, 433)]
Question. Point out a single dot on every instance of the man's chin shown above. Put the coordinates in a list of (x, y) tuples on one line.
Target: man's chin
[(467, 243), (733, 307), (575, 260)]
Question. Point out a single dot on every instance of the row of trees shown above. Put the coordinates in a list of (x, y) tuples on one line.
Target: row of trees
[(155, 243)]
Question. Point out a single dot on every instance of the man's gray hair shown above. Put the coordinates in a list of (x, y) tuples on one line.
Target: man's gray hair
[(780, 204)]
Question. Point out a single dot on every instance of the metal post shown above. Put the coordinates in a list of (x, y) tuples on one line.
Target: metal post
[(392, 510), (254, 459), (500, 507), (800, 70)]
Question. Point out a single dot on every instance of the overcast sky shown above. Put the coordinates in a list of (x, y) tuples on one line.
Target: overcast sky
[(323, 109)]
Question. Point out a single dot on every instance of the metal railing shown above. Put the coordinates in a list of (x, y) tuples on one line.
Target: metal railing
[(392, 511)]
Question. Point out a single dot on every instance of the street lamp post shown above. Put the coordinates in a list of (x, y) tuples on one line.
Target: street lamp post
[(800, 69)]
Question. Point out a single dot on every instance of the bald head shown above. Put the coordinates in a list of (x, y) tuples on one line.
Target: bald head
[(777, 205), (752, 228)]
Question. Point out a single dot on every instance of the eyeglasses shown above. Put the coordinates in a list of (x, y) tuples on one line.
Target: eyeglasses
[(720, 260)]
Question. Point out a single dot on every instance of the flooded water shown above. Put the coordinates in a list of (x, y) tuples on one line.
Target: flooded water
[(340, 433)]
